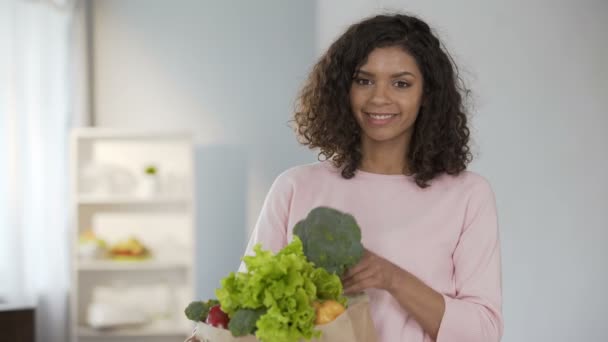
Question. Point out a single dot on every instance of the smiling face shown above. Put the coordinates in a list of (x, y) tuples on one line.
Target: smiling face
[(386, 95)]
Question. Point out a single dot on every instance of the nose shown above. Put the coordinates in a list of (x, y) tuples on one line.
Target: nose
[(380, 95)]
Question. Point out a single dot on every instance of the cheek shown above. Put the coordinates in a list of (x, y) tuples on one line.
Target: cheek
[(410, 106), (357, 99)]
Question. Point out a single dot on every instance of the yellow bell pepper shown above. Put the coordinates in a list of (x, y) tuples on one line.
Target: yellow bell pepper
[(327, 311)]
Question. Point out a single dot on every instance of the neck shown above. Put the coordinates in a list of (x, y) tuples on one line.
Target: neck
[(387, 157)]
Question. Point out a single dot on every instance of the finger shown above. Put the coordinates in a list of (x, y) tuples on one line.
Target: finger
[(365, 261), (355, 271), (361, 285), (359, 277)]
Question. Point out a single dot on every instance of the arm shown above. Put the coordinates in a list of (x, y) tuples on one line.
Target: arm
[(271, 227), (474, 313), (426, 305)]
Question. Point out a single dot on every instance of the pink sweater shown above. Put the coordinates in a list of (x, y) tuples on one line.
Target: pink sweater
[(446, 235)]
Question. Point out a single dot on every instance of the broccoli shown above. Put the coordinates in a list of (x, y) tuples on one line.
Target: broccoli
[(197, 311), (331, 239), (243, 322)]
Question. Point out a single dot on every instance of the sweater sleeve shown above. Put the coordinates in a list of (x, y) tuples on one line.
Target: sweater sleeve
[(474, 314), (271, 226)]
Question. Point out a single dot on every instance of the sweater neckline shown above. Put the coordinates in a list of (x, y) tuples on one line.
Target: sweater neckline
[(369, 175)]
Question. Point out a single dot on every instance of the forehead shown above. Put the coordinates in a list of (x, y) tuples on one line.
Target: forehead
[(390, 60)]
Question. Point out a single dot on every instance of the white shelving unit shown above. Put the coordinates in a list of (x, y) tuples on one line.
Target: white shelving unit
[(107, 172), (147, 265), (126, 200)]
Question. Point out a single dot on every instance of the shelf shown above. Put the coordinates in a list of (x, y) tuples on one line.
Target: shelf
[(84, 331), (148, 265), (130, 200), (86, 133)]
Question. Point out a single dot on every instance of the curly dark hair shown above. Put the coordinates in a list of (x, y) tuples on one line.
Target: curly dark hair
[(323, 117)]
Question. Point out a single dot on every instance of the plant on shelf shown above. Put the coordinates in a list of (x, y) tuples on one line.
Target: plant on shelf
[(149, 183), (151, 170)]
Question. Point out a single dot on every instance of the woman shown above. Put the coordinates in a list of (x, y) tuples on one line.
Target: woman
[(384, 107)]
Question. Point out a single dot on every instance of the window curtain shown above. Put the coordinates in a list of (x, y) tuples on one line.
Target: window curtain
[(43, 82)]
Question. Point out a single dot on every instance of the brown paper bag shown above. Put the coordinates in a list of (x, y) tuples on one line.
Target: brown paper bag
[(354, 325)]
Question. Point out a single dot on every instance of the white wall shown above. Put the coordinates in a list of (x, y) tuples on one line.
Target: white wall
[(228, 71), (538, 72)]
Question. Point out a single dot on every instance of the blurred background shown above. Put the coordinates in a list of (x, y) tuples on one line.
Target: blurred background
[(138, 139)]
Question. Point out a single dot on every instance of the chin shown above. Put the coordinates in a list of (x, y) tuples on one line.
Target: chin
[(381, 137)]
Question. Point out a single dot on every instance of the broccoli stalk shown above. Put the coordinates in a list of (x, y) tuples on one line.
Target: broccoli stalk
[(331, 239)]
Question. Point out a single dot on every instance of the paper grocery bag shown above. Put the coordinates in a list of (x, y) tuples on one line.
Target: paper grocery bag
[(354, 325)]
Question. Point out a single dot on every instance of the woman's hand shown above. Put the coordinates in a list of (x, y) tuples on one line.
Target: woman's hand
[(426, 305), (372, 271)]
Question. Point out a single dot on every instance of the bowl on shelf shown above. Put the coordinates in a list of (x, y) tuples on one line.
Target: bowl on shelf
[(129, 250)]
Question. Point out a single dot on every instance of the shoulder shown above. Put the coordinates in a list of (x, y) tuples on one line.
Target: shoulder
[(467, 184), (469, 194), (307, 174)]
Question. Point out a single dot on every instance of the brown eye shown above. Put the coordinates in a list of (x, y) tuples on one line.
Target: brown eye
[(401, 84), (362, 81)]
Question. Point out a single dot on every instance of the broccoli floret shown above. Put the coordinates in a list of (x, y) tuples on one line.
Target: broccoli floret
[(198, 310), (244, 320), (331, 239)]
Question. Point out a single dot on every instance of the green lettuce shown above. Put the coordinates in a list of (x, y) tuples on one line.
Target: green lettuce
[(285, 285)]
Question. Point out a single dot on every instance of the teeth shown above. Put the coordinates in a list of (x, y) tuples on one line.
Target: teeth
[(380, 117)]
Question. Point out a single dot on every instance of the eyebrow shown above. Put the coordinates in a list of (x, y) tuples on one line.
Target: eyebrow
[(399, 74)]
